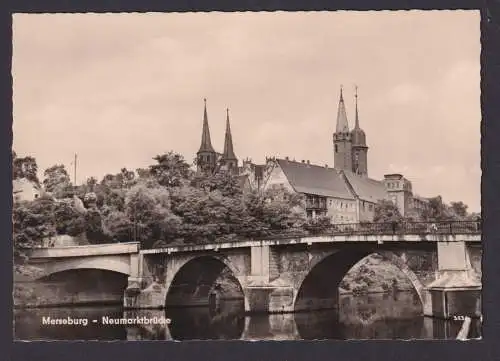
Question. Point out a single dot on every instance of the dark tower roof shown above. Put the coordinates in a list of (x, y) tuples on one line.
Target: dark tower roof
[(228, 152), (342, 124), (358, 135), (206, 143)]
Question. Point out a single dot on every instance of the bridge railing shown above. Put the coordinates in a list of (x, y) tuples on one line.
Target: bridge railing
[(448, 227)]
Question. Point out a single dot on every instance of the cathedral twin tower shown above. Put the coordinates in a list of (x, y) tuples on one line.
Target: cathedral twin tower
[(350, 150), (207, 159)]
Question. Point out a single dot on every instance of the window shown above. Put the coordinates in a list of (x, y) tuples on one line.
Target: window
[(336, 148), (331, 202), (370, 207)]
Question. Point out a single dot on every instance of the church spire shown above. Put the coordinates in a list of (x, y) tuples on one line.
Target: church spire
[(228, 153), (356, 125), (359, 148), (206, 143), (342, 124)]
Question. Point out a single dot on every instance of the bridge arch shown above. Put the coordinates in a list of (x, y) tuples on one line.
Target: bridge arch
[(326, 273), (65, 286), (191, 279), (118, 265)]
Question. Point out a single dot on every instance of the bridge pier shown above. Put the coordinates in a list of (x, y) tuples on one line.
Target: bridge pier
[(261, 293), (457, 290), (141, 294)]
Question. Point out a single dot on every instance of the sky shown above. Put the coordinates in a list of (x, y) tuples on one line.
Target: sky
[(118, 89)]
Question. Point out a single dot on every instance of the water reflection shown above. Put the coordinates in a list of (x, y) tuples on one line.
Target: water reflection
[(382, 316), (203, 323)]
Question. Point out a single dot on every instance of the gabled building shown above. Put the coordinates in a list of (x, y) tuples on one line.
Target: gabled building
[(342, 195)]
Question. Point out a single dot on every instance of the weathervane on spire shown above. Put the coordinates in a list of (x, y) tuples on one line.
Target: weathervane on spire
[(356, 91)]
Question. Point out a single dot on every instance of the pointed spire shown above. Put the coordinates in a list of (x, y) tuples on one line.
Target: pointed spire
[(228, 141), (206, 143), (356, 125), (342, 124)]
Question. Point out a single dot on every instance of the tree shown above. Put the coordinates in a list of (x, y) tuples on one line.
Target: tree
[(206, 216), (459, 210), (274, 210), (117, 226), (32, 223), (148, 209), (25, 167), (171, 169), (57, 181), (143, 173), (91, 183), (94, 227), (436, 211), (386, 212), (226, 183), (68, 220)]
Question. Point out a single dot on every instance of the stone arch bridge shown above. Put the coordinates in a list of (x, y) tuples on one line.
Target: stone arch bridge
[(274, 275)]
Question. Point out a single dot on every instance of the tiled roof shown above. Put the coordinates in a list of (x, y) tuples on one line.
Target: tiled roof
[(366, 189), (313, 179)]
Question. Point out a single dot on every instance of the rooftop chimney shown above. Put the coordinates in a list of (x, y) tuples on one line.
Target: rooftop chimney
[(326, 165), (308, 162), (287, 158), (303, 161)]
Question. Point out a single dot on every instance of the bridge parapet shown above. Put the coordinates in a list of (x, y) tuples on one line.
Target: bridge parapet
[(438, 227), (86, 250), (309, 240)]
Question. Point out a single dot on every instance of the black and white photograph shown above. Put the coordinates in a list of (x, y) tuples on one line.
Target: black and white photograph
[(255, 176)]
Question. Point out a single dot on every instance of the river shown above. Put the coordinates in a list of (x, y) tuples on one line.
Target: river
[(376, 316)]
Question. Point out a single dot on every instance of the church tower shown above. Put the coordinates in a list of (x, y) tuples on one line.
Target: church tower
[(342, 139), (206, 157), (228, 161), (359, 148)]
